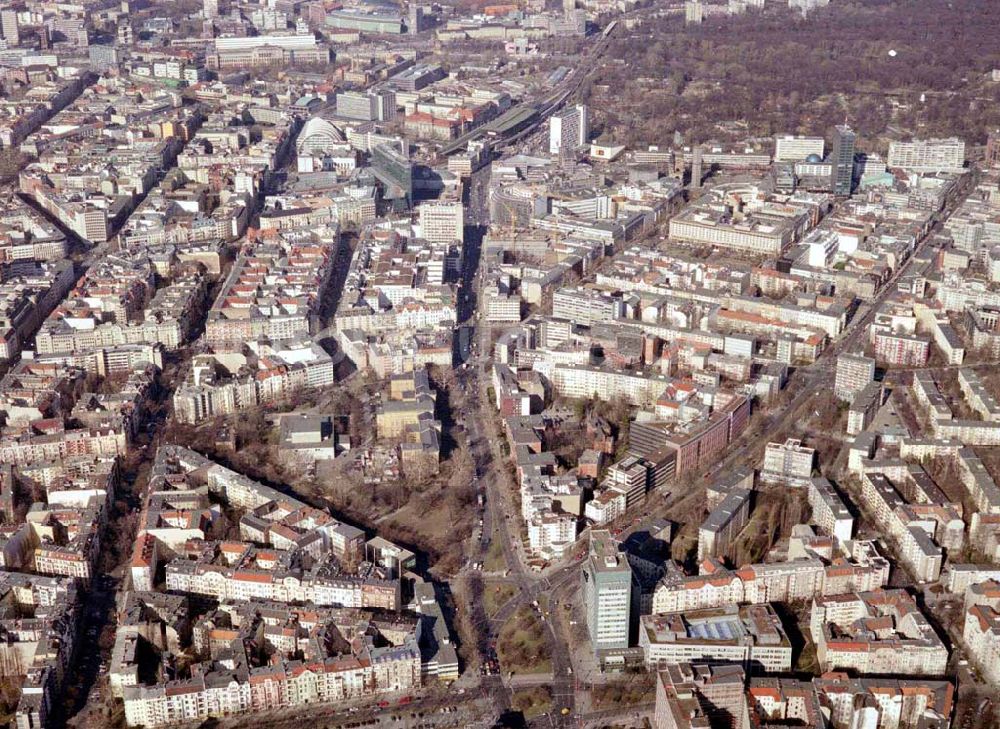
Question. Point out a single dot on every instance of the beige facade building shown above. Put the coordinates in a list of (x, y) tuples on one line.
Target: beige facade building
[(880, 632)]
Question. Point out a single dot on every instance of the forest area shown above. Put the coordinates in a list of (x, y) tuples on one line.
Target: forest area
[(776, 71)]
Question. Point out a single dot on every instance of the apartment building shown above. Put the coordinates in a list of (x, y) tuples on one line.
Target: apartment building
[(273, 289), (605, 507), (26, 235), (880, 632), (586, 306), (631, 478), (585, 381), (742, 478), (797, 579), (981, 631), (978, 396), (551, 535), (29, 291), (167, 320), (227, 382), (969, 432), (789, 462), (55, 604), (901, 350), (854, 373), (829, 509), (841, 702), (692, 695), (719, 531), (921, 527), (384, 657), (784, 701), (816, 313), (864, 407)]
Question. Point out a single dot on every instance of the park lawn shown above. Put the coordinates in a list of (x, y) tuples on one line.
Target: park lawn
[(495, 561), (521, 645), (532, 702), (495, 595)]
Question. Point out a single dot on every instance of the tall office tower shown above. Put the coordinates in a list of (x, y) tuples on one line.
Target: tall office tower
[(607, 592), (568, 129), (442, 222), (103, 58), (392, 167), (696, 168), (415, 19), (210, 9), (385, 105), (842, 160), (993, 149), (693, 12), (8, 24)]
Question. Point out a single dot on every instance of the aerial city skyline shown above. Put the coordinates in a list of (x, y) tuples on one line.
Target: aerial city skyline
[(591, 363)]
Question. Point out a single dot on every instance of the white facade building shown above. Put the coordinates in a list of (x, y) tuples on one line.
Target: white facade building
[(569, 129), (928, 155), (789, 148), (442, 222)]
